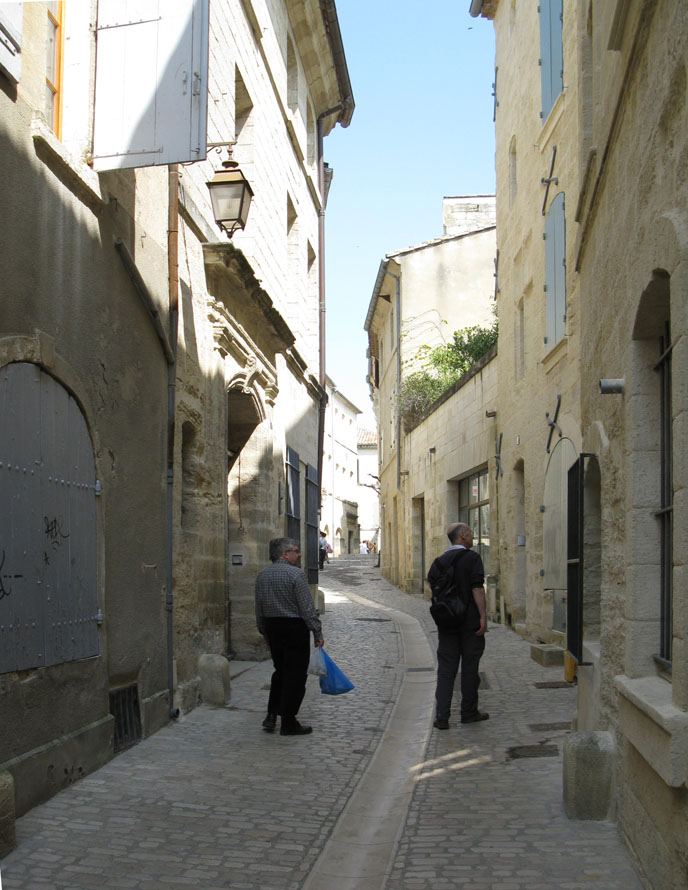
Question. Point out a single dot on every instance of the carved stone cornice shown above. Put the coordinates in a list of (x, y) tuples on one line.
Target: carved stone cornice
[(247, 367)]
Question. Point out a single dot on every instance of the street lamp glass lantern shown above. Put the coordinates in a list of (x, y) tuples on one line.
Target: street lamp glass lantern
[(231, 196)]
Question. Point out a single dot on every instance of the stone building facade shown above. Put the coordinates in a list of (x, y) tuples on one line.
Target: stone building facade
[(599, 561), (339, 512), (368, 486), (164, 384), (421, 296)]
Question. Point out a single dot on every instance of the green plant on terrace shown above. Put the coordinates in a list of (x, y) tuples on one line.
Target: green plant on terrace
[(442, 367)]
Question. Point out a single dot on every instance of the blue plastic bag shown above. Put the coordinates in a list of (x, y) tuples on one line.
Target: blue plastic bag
[(336, 682)]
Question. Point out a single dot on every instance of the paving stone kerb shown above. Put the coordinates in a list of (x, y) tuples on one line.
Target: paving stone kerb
[(213, 802)]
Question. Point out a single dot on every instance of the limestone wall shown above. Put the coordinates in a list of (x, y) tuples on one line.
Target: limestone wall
[(535, 375)]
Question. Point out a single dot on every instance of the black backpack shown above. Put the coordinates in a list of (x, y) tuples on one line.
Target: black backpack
[(447, 607)]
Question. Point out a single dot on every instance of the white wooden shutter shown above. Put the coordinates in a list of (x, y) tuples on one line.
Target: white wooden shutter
[(151, 83), (11, 38)]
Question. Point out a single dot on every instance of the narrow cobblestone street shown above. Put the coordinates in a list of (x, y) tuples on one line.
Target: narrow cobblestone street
[(213, 802)]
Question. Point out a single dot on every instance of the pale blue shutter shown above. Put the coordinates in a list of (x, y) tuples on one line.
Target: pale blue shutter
[(545, 58), (555, 271), (10, 39), (551, 53), (557, 47), (151, 83)]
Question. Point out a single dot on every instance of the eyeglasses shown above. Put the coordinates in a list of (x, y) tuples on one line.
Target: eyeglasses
[(294, 550)]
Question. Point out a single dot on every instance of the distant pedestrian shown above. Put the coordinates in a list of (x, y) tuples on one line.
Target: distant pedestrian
[(465, 643), (285, 616), (322, 549)]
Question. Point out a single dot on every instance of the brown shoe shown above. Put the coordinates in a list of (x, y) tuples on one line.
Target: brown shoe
[(476, 718)]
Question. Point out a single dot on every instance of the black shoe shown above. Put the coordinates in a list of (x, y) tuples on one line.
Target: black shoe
[(476, 718), (295, 728), (270, 722), (441, 724)]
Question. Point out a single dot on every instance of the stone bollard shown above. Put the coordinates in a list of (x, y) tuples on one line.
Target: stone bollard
[(589, 775), (8, 839), (214, 674)]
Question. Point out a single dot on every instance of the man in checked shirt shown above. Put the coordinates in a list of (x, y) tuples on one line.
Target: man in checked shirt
[(285, 614)]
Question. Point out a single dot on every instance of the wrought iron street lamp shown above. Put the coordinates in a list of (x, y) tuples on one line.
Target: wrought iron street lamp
[(230, 194)]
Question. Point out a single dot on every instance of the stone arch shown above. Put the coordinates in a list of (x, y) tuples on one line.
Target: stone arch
[(650, 446), (245, 411)]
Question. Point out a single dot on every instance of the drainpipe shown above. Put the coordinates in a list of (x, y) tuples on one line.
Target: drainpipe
[(397, 303), (321, 294), (173, 278)]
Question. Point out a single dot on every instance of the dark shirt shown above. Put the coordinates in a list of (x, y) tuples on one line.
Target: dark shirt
[(282, 591), (468, 574)]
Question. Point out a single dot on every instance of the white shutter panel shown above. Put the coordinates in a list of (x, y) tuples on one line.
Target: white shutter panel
[(151, 83), (10, 39)]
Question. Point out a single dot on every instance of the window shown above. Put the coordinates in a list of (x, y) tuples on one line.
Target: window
[(652, 459), (555, 271), (292, 78), (474, 510), (665, 514), (551, 53), (513, 175), (520, 340), (53, 67)]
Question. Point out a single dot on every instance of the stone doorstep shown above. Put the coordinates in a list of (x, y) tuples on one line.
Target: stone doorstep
[(547, 654)]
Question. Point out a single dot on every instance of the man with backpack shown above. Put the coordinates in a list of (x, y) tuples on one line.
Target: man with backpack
[(461, 625)]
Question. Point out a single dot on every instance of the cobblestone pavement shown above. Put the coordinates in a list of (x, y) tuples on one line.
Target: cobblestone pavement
[(214, 803)]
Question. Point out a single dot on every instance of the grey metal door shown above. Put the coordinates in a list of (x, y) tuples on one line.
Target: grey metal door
[(48, 543)]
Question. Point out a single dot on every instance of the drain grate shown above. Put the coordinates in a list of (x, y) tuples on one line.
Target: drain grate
[(553, 684), (523, 751), (418, 670), (549, 727), (372, 619)]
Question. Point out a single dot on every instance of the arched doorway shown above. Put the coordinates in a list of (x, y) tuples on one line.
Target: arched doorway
[(48, 524)]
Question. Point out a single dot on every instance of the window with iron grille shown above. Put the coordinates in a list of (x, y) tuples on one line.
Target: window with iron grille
[(293, 495), (124, 707)]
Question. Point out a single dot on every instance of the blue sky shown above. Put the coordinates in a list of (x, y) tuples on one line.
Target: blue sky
[(422, 81)]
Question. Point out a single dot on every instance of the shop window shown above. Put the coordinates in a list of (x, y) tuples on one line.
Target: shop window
[(474, 510)]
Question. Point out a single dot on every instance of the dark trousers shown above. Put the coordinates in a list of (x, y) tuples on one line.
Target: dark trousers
[(289, 641), (321, 556), (462, 647)]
